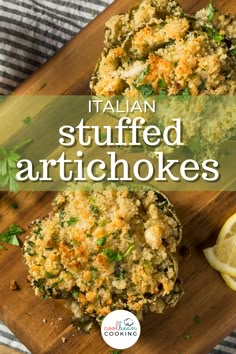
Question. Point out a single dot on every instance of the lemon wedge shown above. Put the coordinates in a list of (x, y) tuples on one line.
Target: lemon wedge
[(230, 281), (228, 230), (222, 256)]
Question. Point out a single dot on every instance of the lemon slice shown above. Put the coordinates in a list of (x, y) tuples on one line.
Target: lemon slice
[(222, 256), (230, 281), (228, 230)]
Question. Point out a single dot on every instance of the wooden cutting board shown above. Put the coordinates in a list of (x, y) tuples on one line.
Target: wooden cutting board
[(43, 326)]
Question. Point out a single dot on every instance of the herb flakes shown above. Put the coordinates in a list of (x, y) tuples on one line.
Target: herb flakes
[(187, 336), (27, 120), (210, 10), (214, 34), (94, 209), (146, 90), (197, 319), (14, 206), (72, 221)]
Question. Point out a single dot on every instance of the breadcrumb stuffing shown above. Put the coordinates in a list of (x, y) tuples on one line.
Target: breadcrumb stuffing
[(107, 249), (185, 52)]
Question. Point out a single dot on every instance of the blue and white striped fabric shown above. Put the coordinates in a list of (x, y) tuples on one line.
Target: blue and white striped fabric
[(31, 31)]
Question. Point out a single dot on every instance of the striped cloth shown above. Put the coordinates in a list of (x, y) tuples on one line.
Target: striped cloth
[(31, 31)]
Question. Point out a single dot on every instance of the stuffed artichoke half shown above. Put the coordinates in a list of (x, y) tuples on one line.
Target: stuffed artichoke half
[(157, 49), (105, 250)]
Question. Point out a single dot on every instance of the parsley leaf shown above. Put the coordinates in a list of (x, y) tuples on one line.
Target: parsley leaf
[(210, 11), (113, 256), (75, 294), (214, 34), (102, 241), (146, 90), (10, 235), (94, 209), (187, 336), (8, 168), (27, 120), (14, 205), (161, 83), (50, 275), (116, 256), (184, 96), (197, 319), (72, 221), (144, 73), (131, 247)]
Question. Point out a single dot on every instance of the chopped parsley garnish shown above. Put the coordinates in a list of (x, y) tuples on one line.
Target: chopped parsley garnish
[(214, 34), (94, 268), (147, 266), (75, 294), (57, 283), (50, 275), (14, 206), (187, 336), (94, 209), (102, 223), (161, 83), (8, 169), (40, 284), (10, 235), (210, 11), (89, 235), (162, 93), (103, 136), (233, 51), (27, 120), (91, 200), (112, 256), (72, 221), (146, 90), (144, 73), (197, 319), (131, 247), (95, 276), (184, 96), (3, 248), (102, 240), (30, 249), (116, 256)]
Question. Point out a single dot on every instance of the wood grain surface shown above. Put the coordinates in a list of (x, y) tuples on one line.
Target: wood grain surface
[(43, 325)]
